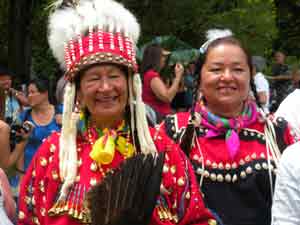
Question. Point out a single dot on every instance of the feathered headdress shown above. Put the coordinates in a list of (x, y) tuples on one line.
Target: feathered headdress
[(212, 35), (87, 32), (92, 31)]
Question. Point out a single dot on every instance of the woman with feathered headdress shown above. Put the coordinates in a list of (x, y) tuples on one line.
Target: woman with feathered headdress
[(233, 146), (138, 175)]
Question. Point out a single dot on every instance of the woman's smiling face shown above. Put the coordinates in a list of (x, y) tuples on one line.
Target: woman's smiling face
[(104, 91), (225, 78)]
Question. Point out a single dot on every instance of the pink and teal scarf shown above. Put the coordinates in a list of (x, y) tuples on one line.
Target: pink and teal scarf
[(230, 127)]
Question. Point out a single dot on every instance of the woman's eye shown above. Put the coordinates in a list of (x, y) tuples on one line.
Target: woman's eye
[(239, 70), (215, 70), (93, 78), (114, 76)]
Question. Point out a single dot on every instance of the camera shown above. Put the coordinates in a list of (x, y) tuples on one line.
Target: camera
[(15, 130), (27, 126)]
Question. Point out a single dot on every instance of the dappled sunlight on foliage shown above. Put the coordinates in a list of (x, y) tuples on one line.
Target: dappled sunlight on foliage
[(255, 22)]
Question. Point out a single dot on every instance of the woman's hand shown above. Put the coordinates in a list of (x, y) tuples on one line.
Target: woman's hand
[(20, 96), (164, 93), (26, 130), (179, 69)]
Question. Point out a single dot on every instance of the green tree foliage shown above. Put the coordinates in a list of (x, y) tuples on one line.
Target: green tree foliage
[(253, 21), (187, 20), (43, 63), (288, 22)]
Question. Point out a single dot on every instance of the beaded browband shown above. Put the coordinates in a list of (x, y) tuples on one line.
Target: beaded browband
[(99, 47)]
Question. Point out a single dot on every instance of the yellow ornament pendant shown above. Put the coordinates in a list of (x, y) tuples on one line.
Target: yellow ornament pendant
[(103, 150), (124, 147)]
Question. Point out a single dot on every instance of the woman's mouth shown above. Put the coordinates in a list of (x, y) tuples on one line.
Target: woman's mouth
[(226, 89), (107, 100)]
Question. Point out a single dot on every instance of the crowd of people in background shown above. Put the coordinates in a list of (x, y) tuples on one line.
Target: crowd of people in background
[(220, 122), (28, 117)]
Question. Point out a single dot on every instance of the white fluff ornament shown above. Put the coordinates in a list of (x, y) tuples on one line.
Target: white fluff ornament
[(145, 139), (76, 17), (67, 143), (212, 35), (55, 4)]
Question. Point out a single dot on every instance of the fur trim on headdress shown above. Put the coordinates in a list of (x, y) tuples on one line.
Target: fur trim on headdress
[(212, 35)]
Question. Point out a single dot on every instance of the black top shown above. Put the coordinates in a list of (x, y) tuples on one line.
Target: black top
[(238, 190)]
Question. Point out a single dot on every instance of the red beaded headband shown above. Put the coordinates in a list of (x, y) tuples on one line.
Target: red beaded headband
[(99, 47)]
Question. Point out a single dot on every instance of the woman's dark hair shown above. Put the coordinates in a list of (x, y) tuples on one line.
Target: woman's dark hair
[(42, 85), (151, 58), (187, 137), (4, 70)]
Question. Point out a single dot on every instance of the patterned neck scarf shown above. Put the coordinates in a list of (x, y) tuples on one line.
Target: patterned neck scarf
[(230, 127)]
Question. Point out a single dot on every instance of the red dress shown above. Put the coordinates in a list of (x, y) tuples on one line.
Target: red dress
[(179, 202), (149, 97)]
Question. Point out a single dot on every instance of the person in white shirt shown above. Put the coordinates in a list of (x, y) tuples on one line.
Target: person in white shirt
[(289, 109), (262, 88), (290, 106), (286, 201)]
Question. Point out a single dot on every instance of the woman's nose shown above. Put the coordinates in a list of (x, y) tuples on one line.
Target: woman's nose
[(227, 74), (105, 85)]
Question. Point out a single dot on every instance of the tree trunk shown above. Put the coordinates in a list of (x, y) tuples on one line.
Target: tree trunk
[(19, 42)]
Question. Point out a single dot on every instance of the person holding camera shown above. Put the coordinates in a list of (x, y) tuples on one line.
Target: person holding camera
[(9, 155), (156, 93), (35, 123), (12, 142), (39, 120)]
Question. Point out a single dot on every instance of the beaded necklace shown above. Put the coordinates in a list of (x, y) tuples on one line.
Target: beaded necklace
[(109, 140), (104, 143)]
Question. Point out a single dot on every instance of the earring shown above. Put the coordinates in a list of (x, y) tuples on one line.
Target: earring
[(77, 108)]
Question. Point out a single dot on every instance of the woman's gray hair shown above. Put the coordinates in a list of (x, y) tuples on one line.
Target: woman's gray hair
[(60, 89)]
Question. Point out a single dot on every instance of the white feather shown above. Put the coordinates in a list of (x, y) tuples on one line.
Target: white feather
[(86, 11), (214, 34), (55, 4), (62, 32), (67, 23)]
